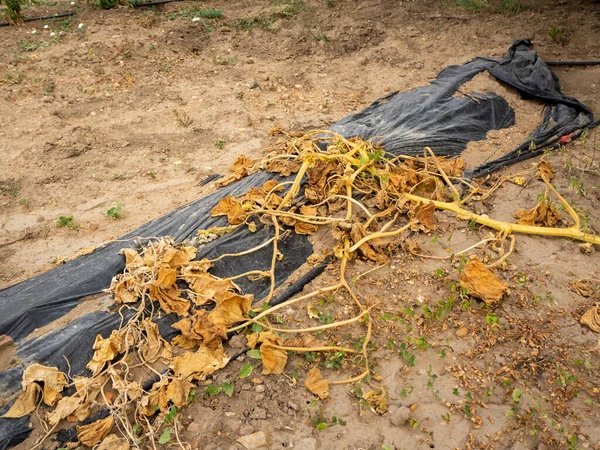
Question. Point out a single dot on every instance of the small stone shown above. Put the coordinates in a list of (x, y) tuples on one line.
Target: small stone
[(400, 416), (293, 406), (249, 60), (462, 332), (193, 428), (246, 429), (259, 413), (259, 398), (413, 406), (254, 440), (260, 388), (306, 444), (246, 387)]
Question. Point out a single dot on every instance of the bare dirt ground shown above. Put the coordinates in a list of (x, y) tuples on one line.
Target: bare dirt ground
[(135, 106)]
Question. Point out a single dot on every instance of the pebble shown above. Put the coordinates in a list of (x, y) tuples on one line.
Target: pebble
[(259, 413), (254, 440), (246, 429), (260, 388), (462, 332), (246, 387), (293, 406), (306, 444), (400, 416)]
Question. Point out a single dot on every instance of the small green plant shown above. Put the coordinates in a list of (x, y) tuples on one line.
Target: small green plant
[(320, 422), (510, 6), (116, 211), (516, 395), (28, 45), (221, 143), (250, 23), (491, 319), (16, 78), (182, 118), (226, 61), (559, 34), (289, 8), (170, 416), (65, 221), (475, 6), (208, 13), (335, 361), (165, 437), (13, 11), (246, 370), (321, 37), (330, 3)]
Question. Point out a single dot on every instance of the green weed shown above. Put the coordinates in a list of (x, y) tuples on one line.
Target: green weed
[(510, 6), (559, 34), (115, 211), (65, 221), (475, 6)]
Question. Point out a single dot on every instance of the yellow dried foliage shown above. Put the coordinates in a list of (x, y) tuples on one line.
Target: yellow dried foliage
[(316, 384), (95, 432), (482, 283)]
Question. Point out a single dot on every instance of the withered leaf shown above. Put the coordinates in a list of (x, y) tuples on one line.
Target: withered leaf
[(283, 167), (543, 214), (452, 167), (366, 249), (26, 402), (424, 214), (377, 401), (199, 328), (481, 282), (241, 167), (105, 351), (154, 347), (231, 308), (304, 228), (166, 277), (273, 359), (582, 287), (175, 392), (65, 407), (170, 300), (54, 381), (114, 442), (95, 432), (148, 405), (316, 384), (544, 171), (200, 364), (230, 207), (591, 318)]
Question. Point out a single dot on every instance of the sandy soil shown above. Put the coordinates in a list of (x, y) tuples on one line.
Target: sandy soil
[(135, 107)]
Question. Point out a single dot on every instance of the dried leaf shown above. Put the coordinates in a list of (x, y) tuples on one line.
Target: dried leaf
[(377, 400), (198, 329), (544, 214), (230, 207), (148, 405), (316, 384), (304, 228), (25, 403), (114, 442), (95, 432), (54, 381), (172, 391), (65, 407), (283, 167), (482, 283), (452, 167), (231, 308), (241, 167), (424, 214), (154, 347), (124, 291), (582, 287), (273, 359), (170, 300), (591, 318), (367, 249), (544, 171), (198, 365), (166, 277), (105, 351)]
